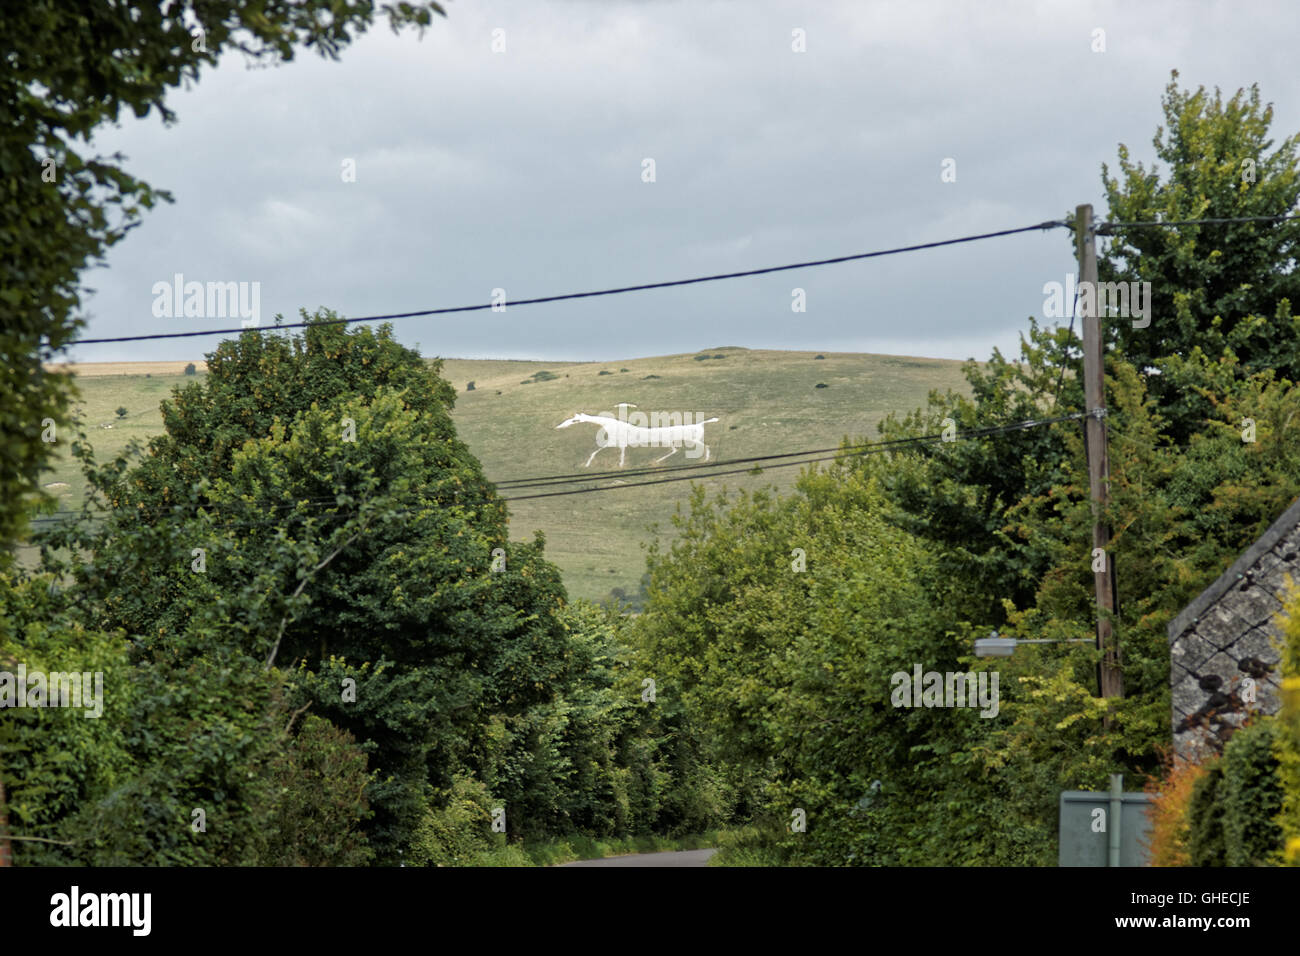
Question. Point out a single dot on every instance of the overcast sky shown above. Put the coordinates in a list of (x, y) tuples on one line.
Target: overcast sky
[(523, 170)]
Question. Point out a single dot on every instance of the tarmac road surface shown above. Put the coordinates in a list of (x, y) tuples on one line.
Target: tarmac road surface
[(671, 858)]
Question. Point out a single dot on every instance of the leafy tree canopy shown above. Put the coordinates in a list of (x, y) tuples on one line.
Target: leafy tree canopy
[(65, 69)]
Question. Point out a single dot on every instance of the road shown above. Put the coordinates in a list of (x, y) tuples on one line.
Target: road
[(672, 858)]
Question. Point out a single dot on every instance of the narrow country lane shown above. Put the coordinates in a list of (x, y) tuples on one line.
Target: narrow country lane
[(671, 858)]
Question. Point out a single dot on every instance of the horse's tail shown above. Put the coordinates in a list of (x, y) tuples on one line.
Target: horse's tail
[(707, 421)]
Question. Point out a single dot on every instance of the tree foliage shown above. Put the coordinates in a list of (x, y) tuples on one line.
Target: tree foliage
[(65, 71), (310, 535), (1218, 288)]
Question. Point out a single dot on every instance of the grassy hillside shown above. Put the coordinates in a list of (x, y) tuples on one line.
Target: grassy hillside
[(767, 402)]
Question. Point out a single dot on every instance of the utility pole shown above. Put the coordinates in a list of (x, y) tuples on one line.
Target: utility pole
[(1110, 678), (6, 851)]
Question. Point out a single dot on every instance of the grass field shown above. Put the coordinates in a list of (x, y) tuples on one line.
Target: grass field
[(767, 402)]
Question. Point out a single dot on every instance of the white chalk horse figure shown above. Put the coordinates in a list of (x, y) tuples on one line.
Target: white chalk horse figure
[(620, 433)]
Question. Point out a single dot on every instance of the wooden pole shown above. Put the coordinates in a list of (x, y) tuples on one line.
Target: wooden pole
[(6, 851), (1110, 677)]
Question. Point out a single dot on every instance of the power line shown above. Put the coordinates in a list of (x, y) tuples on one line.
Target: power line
[(870, 448), (587, 295), (514, 484), (874, 448), (609, 474), (579, 477), (574, 477), (1109, 228)]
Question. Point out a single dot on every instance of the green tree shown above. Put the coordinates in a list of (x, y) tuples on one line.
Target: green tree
[(55, 763), (1252, 796), (783, 663), (310, 508), (66, 70), (955, 495), (1220, 288)]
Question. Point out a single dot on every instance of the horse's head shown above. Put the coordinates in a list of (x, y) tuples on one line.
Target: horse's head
[(577, 418)]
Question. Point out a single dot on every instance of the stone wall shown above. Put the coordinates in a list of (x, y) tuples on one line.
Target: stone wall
[(1224, 659)]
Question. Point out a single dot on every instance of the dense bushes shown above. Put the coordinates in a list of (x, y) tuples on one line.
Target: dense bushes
[(1232, 816), (190, 762), (1252, 796), (900, 552), (1288, 733), (317, 783), (1205, 840), (319, 655), (777, 624), (1289, 768), (456, 829), (600, 757), (55, 763), (1168, 812)]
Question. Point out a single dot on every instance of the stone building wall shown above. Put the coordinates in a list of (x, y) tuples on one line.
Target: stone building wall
[(1224, 659)]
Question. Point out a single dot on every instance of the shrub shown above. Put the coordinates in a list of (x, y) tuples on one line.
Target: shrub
[(540, 376), (1168, 840), (1288, 732), (604, 371), (511, 855), (1205, 819), (191, 370), (651, 376), (551, 853), (56, 766), (749, 846), (822, 385), (1289, 769), (121, 411), (469, 387), (1252, 796), (318, 784), (458, 831), (819, 356)]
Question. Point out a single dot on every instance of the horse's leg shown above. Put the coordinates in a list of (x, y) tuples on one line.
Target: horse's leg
[(667, 456), (593, 455), (622, 455)]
